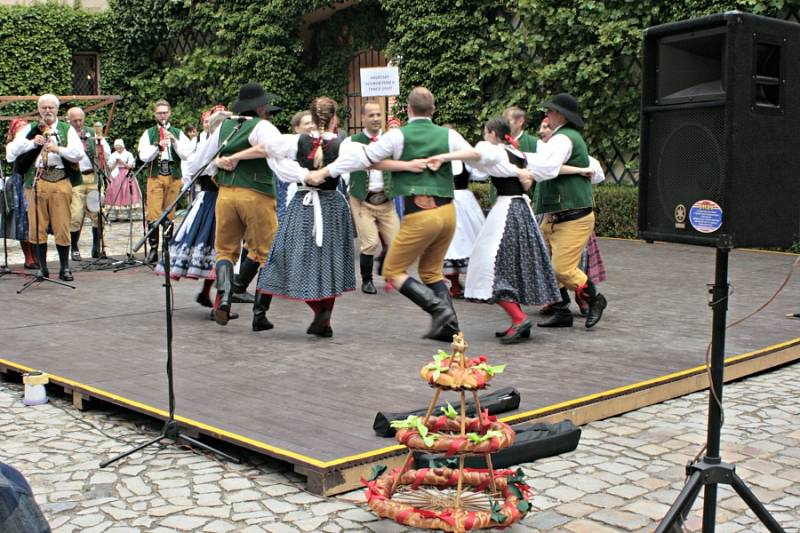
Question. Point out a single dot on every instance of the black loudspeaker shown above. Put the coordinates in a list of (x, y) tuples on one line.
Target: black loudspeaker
[(720, 145)]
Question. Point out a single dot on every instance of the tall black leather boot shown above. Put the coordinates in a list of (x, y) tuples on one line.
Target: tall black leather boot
[(562, 317), (260, 308), (222, 305), (64, 273), (367, 263), (74, 237), (441, 290), (597, 303), (152, 255), (424, 297), (247, 271), (40, 251)]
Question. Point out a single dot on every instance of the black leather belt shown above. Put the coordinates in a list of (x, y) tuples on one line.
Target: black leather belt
[(376, 197), (409, 206), (568, 215)]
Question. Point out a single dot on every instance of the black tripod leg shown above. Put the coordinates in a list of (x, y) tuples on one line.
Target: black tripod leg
[(133, 450), (195, 442), (710, 508), (681, 506), (756, 506)]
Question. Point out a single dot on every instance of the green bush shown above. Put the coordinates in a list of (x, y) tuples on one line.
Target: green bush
[(617, 211), (616, 205)]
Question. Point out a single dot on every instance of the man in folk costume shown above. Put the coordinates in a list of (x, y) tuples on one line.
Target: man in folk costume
[(373, 211), (516, 119), (429, 220), (567, 204), (56, 146), (246, 206), (92, 159), (163, 146)]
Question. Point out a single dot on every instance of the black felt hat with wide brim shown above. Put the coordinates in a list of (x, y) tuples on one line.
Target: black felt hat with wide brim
[(253, 96)]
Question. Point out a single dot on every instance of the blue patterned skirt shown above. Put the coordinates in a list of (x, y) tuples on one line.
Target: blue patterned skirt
[(15, 222), (192, 253), (297, 268)]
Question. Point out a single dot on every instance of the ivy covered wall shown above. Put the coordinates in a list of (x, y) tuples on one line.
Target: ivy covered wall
[(477, 57)]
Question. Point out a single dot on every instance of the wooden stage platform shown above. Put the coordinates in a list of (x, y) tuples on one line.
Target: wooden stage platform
[(311, 401)]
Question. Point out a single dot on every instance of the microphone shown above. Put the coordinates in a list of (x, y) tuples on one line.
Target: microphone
[(240, 118)]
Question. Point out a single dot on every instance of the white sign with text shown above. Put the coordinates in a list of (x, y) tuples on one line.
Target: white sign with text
[(380, 81)]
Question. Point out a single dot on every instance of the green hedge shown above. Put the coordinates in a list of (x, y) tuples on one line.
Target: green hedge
[(616, 205)]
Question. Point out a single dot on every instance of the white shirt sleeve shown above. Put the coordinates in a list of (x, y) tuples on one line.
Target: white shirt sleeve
[(184, 146), (494, 160), (357, 156), (147, 151), (343, 147), (74, 149), (203, 154), (19, 145), (546, 163), (456, 141), (282, 152), (599, 175)]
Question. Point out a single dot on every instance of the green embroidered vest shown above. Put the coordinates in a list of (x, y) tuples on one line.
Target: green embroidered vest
[(359, 180), (567, 191), (71, 169), (153, 137), (249, 173), (422, 138)]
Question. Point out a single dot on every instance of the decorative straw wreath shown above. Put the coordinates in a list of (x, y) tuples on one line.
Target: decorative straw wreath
[(436, 514), (443, 433), (475, 375)]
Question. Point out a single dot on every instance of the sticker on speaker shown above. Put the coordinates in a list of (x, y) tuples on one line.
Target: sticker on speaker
[(680, 216), (705, 216)]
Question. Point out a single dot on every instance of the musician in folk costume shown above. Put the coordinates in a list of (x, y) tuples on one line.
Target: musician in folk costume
[(96, 153), (163, 146), (52, 145)]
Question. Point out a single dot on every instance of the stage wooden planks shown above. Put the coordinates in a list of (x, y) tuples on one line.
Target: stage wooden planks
[(311, 401)]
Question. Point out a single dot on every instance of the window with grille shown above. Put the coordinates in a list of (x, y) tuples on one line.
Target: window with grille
[(86, 73)]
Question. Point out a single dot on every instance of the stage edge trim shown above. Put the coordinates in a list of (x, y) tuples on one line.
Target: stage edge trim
[(256, 444)]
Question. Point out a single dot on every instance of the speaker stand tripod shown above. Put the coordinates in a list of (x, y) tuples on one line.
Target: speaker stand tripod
[(710, 471)]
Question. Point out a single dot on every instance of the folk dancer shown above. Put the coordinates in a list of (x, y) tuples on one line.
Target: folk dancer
[(567, 204), (94, 159), (245, 206), (163, 146), (591, 260), (192, 253), (469, 221), (312, 256), (509, 264), (373, 211), (429, 220), (58, 146)]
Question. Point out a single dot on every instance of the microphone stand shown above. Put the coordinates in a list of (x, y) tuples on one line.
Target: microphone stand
[(39, 276), (171, 429), (102, 261), (130, 261)]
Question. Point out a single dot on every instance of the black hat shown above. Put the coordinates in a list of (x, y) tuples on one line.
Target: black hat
[(566, 105), (252, 96)]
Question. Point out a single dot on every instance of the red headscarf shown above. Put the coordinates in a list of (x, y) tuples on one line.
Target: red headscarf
[(15, 126)]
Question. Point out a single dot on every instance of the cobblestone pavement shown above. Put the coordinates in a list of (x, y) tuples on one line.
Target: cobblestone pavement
[(624, 475)]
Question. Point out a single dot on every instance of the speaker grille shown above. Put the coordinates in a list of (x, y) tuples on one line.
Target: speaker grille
[(687, 163)]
